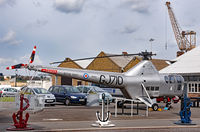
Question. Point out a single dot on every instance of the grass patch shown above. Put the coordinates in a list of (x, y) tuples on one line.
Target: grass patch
[(7, 99)]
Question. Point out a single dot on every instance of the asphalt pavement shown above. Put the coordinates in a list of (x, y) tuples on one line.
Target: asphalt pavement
[(80, 118)]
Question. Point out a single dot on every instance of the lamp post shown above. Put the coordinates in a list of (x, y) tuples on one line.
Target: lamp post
[(151, 40), (16, 78)]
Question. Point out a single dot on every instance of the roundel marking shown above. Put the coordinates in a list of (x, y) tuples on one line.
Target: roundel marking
[(85, 75)]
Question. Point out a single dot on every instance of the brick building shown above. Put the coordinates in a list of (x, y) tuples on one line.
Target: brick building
[(59, 80)]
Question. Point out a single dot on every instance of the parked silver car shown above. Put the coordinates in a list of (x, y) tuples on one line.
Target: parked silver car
[(49, 98), (95, 90)]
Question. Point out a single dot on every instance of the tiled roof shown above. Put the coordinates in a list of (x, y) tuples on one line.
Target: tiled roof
[(121, 61)]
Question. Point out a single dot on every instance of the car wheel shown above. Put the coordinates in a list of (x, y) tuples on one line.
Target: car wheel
[(67, 102), (85, 103), (155, 107)]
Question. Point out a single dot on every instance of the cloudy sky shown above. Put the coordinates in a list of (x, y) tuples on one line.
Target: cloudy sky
[(83, 28)]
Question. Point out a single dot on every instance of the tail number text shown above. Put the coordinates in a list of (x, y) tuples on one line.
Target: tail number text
[(111, 80)]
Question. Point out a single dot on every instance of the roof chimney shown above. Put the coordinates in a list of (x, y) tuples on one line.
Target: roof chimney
[(124, 53)]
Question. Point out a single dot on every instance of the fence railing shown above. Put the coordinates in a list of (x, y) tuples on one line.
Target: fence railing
[(12, 102)]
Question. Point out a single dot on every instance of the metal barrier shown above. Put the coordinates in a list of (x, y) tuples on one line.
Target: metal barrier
[(93, 100), (195, 101), (13, 102), (123, 100), (7, 102)]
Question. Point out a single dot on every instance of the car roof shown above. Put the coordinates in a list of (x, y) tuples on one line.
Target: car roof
[(87, 86), (32, 87)]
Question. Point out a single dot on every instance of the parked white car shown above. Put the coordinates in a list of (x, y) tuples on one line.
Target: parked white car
[(8, 92), (49, 98)]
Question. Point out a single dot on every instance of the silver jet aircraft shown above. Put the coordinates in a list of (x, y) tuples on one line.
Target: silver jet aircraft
[(141, 82)]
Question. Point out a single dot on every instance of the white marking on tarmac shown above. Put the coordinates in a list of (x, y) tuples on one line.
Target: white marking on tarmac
[(52, 119)]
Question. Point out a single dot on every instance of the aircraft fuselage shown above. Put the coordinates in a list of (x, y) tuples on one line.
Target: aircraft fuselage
[(129, 82)]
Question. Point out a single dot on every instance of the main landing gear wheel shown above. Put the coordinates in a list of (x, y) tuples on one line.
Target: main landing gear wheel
[(67, 102), (155, 107)]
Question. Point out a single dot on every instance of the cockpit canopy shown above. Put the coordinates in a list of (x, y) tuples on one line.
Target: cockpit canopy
[(173, 79)]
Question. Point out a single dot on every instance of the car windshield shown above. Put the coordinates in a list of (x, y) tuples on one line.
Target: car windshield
[(41, 91), (72, 89), (13, 90)]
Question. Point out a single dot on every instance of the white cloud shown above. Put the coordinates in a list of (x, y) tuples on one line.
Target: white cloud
[(7, 2), (69, 6), (10, 38), (4, 61), (140, 6), (36, 3), (129, 29), (38, 23)]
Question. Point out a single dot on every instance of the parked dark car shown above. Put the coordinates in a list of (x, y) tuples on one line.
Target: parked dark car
[(68, 95)]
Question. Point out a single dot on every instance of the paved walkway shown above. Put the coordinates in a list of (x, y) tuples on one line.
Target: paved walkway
[(121, 125)]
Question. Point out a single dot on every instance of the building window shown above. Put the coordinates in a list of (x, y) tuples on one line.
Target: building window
[(186, 78), (193, 87), (196, 90), (79, 83), (193, 78), (192, 90), (189, 89)]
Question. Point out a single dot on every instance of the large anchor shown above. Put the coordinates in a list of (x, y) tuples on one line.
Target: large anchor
[(103, 121), (185, 112), (20, 123)]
